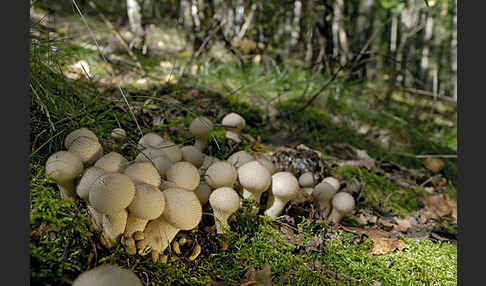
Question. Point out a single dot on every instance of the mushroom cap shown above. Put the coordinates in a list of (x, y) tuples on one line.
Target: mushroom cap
[(81, 132), (285, 186), (143, 172), (254, 177), (161, 163), (149, 153), (193, 155), (112, 162), (87, 148), (208, 161), (148, 203), (240, 158), (323, 191), (111, 192), (221, 174), (343, 202), (150, 140), (90, 175), (184, 174), (200, 127), (225, 200), (333, 182), (266, 162), (203, 191), (234, 120), (171, 150), (64, 166), (118, 133), (107, 275), (307, 180), (183, 209)]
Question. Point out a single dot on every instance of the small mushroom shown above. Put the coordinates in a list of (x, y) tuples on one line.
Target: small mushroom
[(221, 174), (234, 123), (185, 175), (208, 161), (64, 167), (192, 155), (148, 204), (240, 158), (114, 226), (266, 162), (118, 134), (224, 201), (324, 192), (200, 128), (112, 162), (111, 193), (171, 150), (88, 149), (342, 205), (150, 140), (203, 191), (182, 212), (285, 187), (107, 275), (90, 175), (143, 172), (255, 179), (158, 159), (81, 132), (307, 181)]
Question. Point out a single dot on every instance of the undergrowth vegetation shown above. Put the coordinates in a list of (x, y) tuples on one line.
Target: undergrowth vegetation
[(63, 244)]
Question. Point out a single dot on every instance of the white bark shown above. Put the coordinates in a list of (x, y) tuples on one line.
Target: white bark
[(429, 28), (134, 12)]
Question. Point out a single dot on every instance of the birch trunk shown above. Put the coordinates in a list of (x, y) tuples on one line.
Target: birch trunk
[(454, 54)]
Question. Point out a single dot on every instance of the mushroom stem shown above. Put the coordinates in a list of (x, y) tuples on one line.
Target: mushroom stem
[(221, 221), (114, 226), (252, 196), (96, 218), (335, 216), (167, 232), (324, 208), (134, 224), (274, 206), (201, 142), (68, 190)]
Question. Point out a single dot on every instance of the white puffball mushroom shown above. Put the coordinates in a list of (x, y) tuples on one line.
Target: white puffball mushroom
[(255, 179), (200, 128), (150, 140), (192, 155), (111, 193), (64, 167), (90, 175), (114, 226), (81, 132), (88, 149), (285, 187), (221, 174), (203, 191), (182, 211), (143, 172), (342, 205), (107, 275), (148, 204), (157, 158), (208, 161), (323, 194), (307, 181), (185, 175), (118, 134), (224, 201), (240, 158), (266, 162), (171, 150), (233, 123), (112, 162)]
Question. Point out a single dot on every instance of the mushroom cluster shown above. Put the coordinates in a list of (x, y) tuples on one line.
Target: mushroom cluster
[(145, 203)]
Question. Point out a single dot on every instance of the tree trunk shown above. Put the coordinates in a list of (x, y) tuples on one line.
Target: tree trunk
[(454, 54)]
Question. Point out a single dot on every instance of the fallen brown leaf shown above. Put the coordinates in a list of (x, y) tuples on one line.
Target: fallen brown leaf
[(383, 241), (434, 164), (440, 206)]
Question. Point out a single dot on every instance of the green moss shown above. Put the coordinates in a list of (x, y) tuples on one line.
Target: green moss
[(381, 194)]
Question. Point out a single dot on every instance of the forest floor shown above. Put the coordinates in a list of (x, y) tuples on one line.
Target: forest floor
[(403, 231)]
